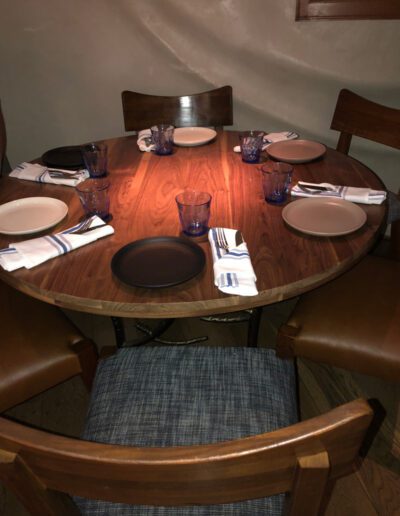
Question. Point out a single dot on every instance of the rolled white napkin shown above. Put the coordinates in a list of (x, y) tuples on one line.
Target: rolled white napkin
[(233, 271), (144, 140), (35, 251), (40, 174), (348, 193), (273, 138)]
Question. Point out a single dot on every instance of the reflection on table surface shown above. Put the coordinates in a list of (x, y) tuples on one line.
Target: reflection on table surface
[(143, 190)]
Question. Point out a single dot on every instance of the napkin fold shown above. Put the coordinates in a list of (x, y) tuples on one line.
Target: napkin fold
[(348, 193), (144, 140), (273, 138), (233, 271), (35, 251), (40, 174)]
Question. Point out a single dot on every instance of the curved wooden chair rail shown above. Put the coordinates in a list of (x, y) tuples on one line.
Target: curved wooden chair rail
[(209, 108), (304, 459), (353, 322), (40, 347)]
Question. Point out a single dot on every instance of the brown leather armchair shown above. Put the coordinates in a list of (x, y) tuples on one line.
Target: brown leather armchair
[(39, 346), (353, 322)]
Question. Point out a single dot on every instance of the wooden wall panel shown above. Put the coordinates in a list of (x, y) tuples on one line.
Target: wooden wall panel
[(347, 9)]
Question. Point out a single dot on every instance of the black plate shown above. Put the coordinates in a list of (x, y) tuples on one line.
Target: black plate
[(64, 157), (158, 262)]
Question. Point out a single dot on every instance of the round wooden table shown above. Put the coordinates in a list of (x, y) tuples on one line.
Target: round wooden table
[(143, 190)]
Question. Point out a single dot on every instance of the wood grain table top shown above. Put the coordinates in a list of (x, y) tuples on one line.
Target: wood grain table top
[(143, 190)]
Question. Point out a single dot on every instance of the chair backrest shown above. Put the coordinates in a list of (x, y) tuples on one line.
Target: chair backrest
[(3, 141), (355, 115), (304, 459), (210, 108)]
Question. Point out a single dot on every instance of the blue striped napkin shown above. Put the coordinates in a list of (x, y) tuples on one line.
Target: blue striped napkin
[(348, 193), (35, 251), (233, 271), (40, 174)]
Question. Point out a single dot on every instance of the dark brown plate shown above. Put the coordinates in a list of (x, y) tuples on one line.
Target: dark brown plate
[(158, 262), (64, 157)]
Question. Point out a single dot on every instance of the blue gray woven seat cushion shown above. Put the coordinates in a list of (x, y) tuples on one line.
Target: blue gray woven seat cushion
[(171, 396)]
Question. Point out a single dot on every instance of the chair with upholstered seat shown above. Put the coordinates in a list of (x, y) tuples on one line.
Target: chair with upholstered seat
[(353, 322), (201, 430), (39, 347), (209, 108)]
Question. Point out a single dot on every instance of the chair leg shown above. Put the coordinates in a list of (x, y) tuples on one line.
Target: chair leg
[(254, 325), (88, 357)]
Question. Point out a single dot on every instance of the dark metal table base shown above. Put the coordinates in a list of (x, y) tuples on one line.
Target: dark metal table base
[(252, 316)]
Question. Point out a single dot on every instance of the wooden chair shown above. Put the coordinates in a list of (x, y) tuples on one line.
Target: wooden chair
[(39, 346), (164, 466), (353, 322), (357, 116), (210, 108)]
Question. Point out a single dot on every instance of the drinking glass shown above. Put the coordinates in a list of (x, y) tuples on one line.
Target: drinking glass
[(95, 198), (194, 212), (276, 179), (95, 158), (163, 139), (250, 146)]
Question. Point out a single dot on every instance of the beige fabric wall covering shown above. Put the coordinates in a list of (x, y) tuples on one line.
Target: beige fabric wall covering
[(64, 65)]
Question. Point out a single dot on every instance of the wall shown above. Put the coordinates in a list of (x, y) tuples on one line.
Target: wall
[(64, 64)]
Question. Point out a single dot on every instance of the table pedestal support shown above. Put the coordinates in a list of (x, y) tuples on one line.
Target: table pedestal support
[(120, 337)]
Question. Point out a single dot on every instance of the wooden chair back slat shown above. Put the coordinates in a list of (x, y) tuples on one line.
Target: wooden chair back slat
[(247, 468), (357, 116), (209, 109)]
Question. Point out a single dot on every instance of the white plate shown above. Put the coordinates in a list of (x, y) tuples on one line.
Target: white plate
[(324, 216), (193, 136), (31, 215), (296, 151)]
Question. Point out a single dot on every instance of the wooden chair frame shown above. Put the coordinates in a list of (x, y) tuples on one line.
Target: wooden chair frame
[(304, 459)]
